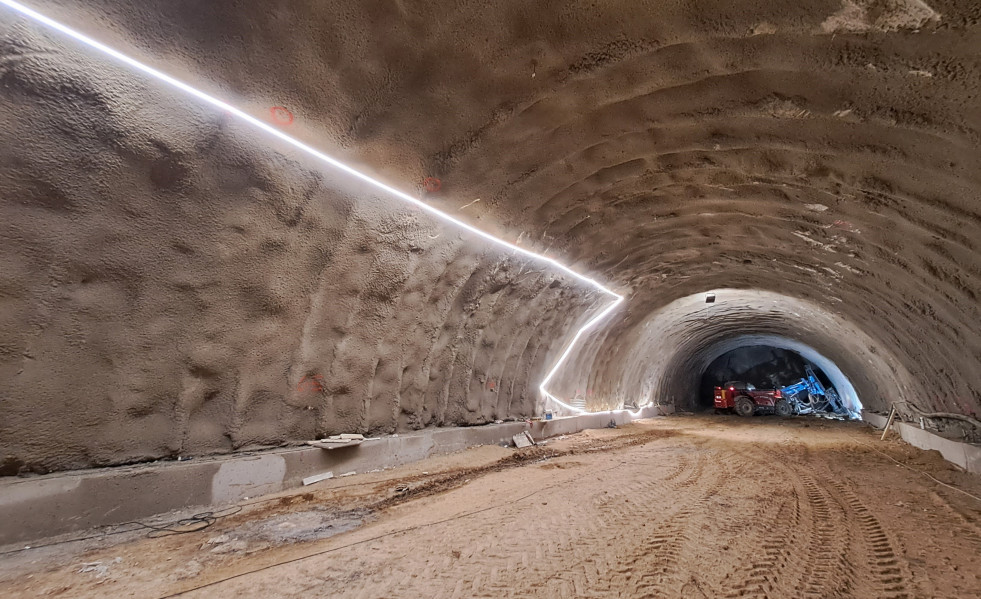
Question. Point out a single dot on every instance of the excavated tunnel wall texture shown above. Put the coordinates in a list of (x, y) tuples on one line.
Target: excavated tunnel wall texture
[(173, 283), (173, 286)]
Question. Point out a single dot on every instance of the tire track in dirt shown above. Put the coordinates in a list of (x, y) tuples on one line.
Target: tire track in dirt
[(825, 572), (802, 552), (767, 568), (568, 563), (769, 561), (618, 514), (841, 533), (880, 558), (556, 551), (969, 526), (647, 562)]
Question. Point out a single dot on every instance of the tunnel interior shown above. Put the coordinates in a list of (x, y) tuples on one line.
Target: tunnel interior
[(176, 281), (763, 366)]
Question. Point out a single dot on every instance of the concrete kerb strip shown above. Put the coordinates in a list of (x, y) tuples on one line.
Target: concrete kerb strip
[(44, 506), (965, 455)]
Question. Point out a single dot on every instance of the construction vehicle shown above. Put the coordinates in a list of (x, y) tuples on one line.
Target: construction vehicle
[(809, 395), (746, 400)]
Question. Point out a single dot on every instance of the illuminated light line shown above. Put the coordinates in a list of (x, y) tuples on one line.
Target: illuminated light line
[(568, 350), (139, 66)]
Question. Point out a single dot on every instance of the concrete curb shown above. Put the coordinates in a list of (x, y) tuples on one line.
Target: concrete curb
[(965, 455), (59, 503)]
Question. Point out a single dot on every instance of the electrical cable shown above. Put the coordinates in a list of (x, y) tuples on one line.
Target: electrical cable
[(195, 523)]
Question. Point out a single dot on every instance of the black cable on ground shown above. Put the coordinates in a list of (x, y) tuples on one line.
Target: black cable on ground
[(195, 523)]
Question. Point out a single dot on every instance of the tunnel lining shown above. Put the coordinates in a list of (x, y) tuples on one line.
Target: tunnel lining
[(758, 149)]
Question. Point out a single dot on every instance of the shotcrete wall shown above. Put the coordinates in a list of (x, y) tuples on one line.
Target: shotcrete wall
[(173, 283)]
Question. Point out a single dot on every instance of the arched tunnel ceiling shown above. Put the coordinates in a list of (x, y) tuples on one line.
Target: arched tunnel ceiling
[(822, 150)]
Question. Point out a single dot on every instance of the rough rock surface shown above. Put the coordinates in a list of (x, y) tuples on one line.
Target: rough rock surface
[(173, 283)]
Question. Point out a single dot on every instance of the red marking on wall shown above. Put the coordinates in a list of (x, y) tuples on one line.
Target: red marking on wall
[(432, 184), (491, 384), (311, 383), (281, 116)]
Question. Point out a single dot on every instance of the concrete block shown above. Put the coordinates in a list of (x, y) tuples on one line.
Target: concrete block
[(952, 451), (876, 420), (972, 453), (67, 502), (965, 455), (249, 477), (522, 440), (316, 478)]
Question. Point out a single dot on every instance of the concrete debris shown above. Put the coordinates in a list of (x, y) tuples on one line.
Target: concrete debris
[(336, 441), (100, 569), (351, 473), (522, 440), (316, 478)]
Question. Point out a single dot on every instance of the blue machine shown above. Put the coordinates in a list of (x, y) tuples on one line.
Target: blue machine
[(817, 398)]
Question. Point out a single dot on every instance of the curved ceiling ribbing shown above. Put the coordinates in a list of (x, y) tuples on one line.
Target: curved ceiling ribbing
[(822, 150)]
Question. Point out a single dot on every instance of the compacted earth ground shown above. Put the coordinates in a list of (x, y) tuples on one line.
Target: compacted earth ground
[(685, 506)]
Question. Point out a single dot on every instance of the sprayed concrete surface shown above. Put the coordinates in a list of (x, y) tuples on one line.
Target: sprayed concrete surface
[(173, 284), (686, 507)]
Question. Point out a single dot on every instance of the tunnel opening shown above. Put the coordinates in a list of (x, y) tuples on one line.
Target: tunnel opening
[(661, 357), (763, 366), (775, 362)]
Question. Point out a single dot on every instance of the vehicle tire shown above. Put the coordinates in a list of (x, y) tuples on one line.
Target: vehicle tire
[(782, 408), (745, 406)]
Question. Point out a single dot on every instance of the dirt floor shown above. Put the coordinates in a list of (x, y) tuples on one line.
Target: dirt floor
[(689, 506)]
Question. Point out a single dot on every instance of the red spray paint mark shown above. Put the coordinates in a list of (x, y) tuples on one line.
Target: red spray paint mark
[(311, 383), (432, 184), (281, 116), (491, 384)]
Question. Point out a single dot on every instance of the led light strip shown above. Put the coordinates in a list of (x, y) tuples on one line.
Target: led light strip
[(139, 66)]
